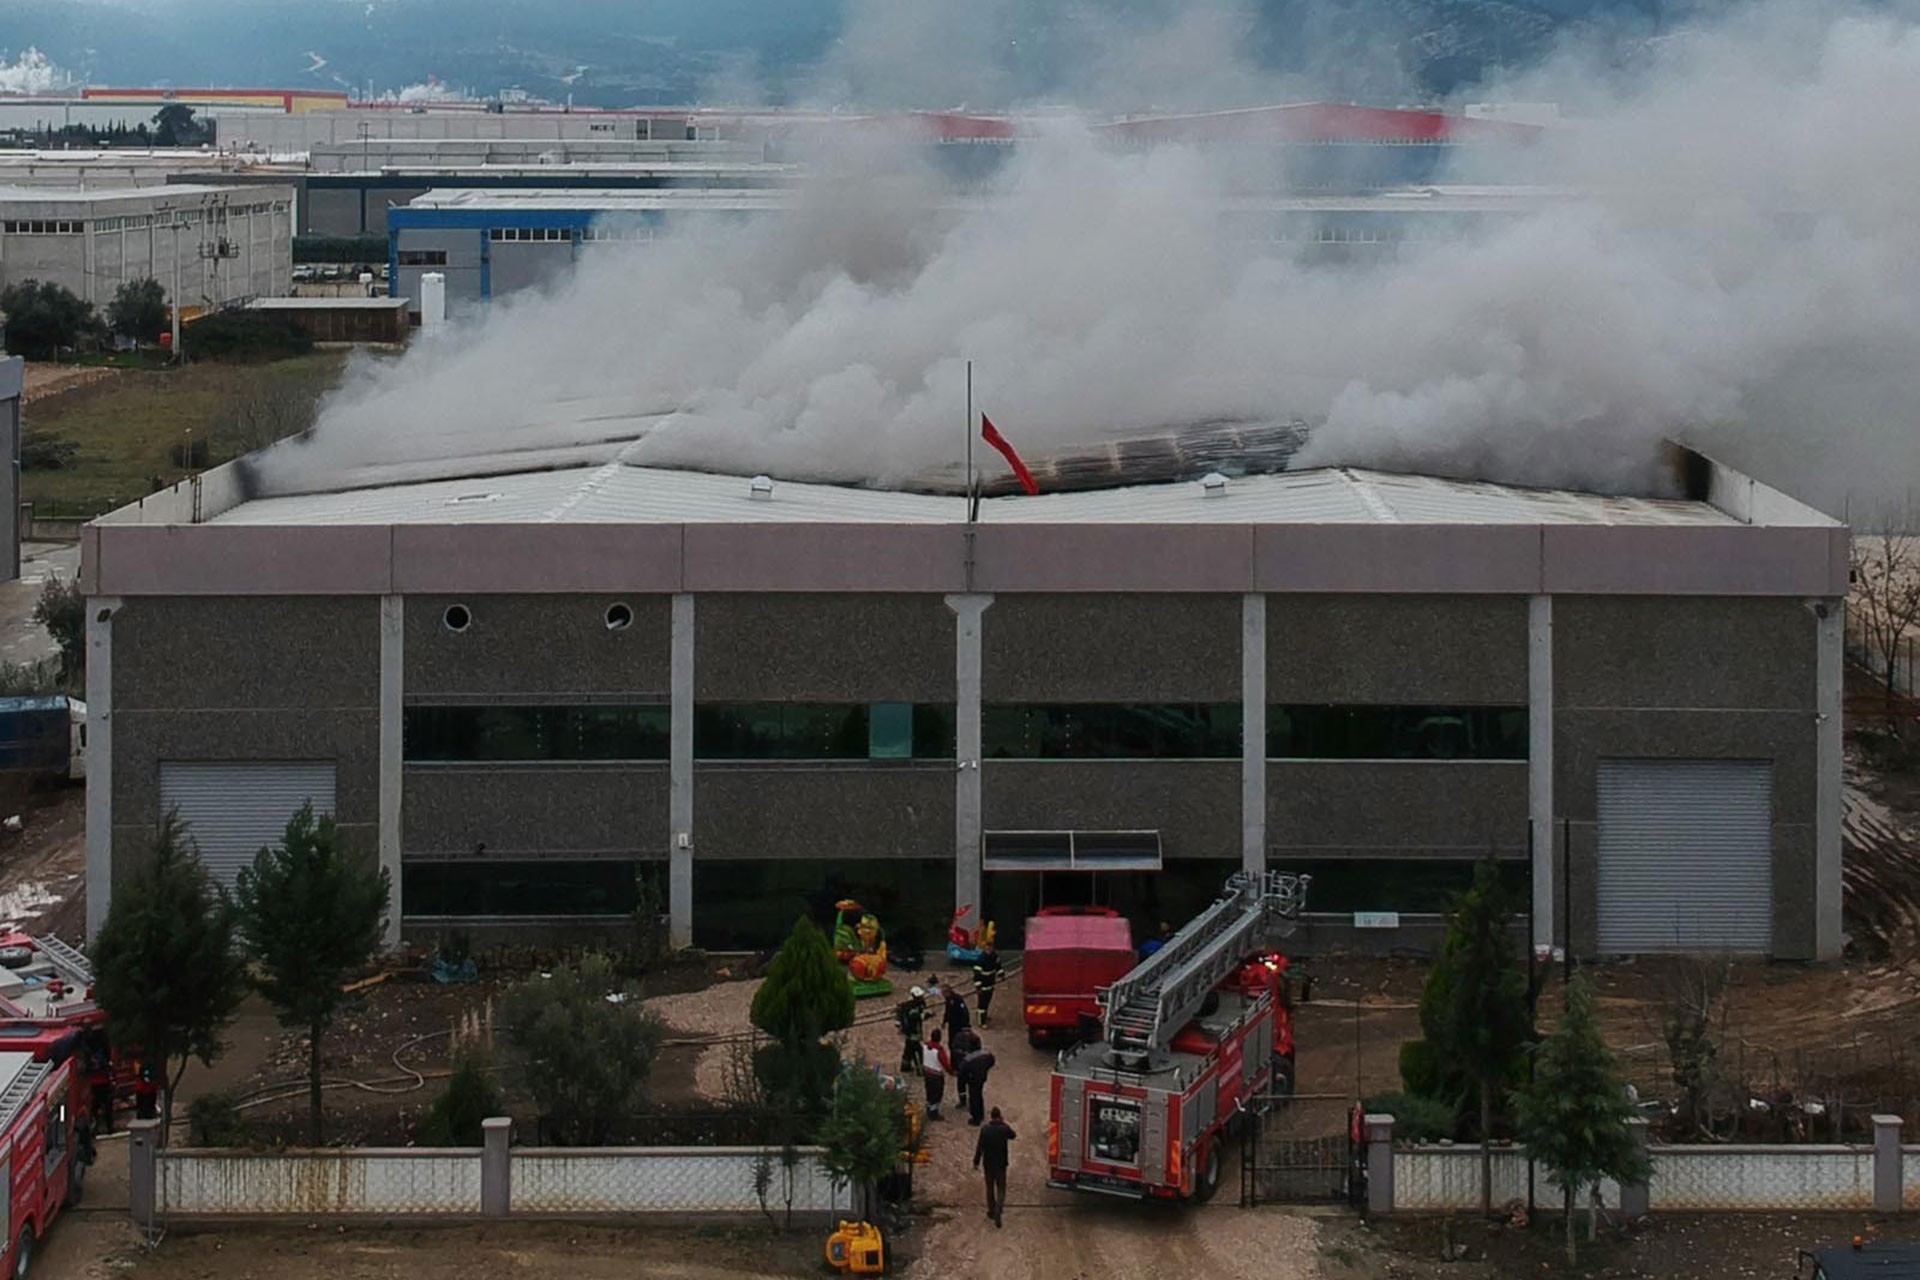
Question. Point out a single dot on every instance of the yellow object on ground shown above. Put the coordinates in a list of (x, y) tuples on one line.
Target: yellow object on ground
[(857, 1249)]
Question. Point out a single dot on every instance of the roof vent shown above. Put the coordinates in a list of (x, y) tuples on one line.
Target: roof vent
[(760, 488), (1213, 485)]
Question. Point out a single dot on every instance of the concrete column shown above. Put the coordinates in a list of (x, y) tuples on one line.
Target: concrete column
[(1889, 1172), (680, 802), (1253, 733), (143, 1172), (1540, 768), (392, 774), (1636, 1197), (1830, 618), (100, 611), (968, 613), (496, 1167), (1379, 1165)]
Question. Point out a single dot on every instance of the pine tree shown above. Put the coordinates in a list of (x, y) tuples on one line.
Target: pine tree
[(863, 1132), (1573, 1117), (805, 999), (1481, 1026), (167, 969), (311, 915)]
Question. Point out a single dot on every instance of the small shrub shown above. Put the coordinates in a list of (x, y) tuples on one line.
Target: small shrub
[(62, 611), (584, 1046), (469, 1098), (245, 337), (214, 1120), (46, 453), (1415, 1119), (1420, 1068)]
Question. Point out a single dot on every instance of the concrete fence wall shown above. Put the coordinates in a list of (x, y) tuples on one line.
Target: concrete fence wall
[(491, 1181), (1880, 1177)]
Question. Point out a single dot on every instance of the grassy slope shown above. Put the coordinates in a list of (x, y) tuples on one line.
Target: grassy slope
[(125, 426)]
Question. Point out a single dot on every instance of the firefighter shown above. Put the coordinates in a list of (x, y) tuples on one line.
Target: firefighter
[(986, 976), (99, 1065), (973, 1080), (911, 1017), (990, 1155), (146, 1092), (956, 1017)]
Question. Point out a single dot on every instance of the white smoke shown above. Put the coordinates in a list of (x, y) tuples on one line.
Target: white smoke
[(31, 72), (1741, 267)]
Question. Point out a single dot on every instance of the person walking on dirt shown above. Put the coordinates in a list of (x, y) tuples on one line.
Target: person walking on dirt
[(956, 1017), (986, 976), (936, 1064), (963, 1042), (911, 1017), (990, 1155), (973, 1076)]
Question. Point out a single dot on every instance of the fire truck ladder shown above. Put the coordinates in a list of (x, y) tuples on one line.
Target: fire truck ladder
[(73, 967), (20, 1088), (1147, 1008)]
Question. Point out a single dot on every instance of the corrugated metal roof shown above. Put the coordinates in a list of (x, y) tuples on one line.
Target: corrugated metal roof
[(614, 492)]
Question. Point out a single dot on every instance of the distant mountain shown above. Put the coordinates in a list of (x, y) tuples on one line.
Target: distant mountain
[(623, 52)]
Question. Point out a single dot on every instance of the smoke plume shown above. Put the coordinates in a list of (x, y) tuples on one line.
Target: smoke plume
[(1734, 259)]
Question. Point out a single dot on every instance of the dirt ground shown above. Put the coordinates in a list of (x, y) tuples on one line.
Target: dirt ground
[(43, 867), (44, 380)]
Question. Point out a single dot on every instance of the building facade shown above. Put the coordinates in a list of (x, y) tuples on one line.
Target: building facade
[(751, 700), (207, 246)]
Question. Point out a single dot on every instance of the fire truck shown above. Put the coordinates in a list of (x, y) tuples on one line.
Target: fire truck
[(1194, 1035), (46, 996), (40, 1166)]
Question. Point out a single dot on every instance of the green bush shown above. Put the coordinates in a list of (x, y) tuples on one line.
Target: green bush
[(1415, 1119), (42, 319), (245, 337), (468, 1099), (1420, 1069), (46, 453), (214, 1120), (584, 1046)]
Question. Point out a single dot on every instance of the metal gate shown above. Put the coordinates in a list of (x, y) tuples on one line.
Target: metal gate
[(233, 808), (1300, 1150), (1686, 856)]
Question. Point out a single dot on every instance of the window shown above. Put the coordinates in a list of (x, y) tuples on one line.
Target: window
[(822, 731), (479, 887), (423, 257), (1083, 731), (452, 734), (1411, 885), (1396, 733)]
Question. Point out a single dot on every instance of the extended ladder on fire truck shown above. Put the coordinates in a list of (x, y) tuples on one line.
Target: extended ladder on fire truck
[(1146, 1009), (73, 967)]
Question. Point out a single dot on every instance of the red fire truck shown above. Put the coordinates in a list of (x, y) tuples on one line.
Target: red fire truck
[(1195, 1034), (41, 1168), (1070, 954)]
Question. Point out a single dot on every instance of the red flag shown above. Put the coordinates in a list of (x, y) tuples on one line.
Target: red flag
[(999, 442)]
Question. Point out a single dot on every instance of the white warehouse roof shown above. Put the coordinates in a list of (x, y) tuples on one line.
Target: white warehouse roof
[(617, 493)]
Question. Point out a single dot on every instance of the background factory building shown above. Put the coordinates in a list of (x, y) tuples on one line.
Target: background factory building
[(524, 692), (226, 244)]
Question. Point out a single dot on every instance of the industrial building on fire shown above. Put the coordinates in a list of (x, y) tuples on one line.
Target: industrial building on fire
[(531, 685)]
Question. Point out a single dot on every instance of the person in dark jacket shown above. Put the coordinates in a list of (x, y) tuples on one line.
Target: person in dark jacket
[(986, 976), (990, 1155), (973, 1075), (911, 1017)]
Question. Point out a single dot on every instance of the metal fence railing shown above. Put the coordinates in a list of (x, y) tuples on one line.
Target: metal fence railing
[(1871, 658)]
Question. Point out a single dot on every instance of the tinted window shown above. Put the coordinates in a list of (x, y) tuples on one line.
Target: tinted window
[(1396, 733), (537, 733), (1074, 731), (483, 888), (822, 731)]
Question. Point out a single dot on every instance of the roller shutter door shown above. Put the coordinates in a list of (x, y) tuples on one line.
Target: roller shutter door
[(1686, 856), (234, 809)]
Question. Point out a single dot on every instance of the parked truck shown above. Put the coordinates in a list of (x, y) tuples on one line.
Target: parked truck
[(1195, 1035), (1071, 954), (41, 1165), (44, 737)]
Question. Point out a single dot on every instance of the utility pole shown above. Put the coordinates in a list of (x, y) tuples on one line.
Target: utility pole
[(179, 356)]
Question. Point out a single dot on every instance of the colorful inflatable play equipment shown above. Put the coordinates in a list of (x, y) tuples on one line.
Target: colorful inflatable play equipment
[(964, 945), (861, 945)]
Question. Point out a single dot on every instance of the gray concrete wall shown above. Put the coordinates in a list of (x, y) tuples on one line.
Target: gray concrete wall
[(258, 678), (823, 648), (537, 646), (1631, 681), (1194, 804), (825, 812), (12, 376), (1418, 650), (1395, 809), (536, 811), (462, 270), (1110, 648)]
